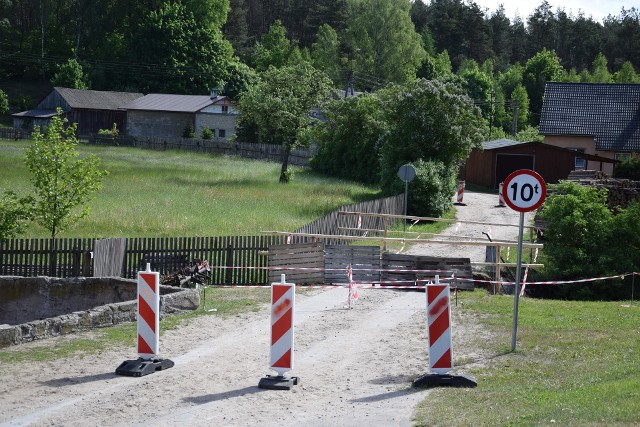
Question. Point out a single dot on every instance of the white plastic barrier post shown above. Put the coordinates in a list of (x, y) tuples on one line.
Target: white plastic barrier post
[(439, 335), (501, 203), (460, 193), (148, 314), (439, 322), (148, 328), (283, 298)]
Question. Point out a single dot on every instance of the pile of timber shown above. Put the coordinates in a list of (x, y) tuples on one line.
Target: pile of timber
[(579, 175), (621, 191)]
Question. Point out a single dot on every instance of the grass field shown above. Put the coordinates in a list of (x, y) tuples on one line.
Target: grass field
[(169, 194), (576, 363)]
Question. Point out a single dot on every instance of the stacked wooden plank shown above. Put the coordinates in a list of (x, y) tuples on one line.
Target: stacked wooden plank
[(620, 191), (401, 269), (364, 261), (302, 263)]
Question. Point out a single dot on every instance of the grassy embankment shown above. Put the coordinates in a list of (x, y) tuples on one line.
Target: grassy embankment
[(576, 363)]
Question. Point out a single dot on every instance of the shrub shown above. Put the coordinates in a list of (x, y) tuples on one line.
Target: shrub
[(430, 193), (584, 239), (629, 168), (188, 132), (206, 133)]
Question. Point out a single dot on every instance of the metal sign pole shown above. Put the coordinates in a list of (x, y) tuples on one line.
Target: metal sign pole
[(517, 285), (404, 221)]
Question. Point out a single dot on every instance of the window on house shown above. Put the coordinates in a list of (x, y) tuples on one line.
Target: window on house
[(580, 162), (222, 133), (225, 108)]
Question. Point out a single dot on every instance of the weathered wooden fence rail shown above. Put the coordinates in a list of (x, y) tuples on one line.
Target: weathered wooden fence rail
[(336, 224)]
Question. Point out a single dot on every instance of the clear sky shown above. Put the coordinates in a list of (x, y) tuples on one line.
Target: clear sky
[(597, 9)]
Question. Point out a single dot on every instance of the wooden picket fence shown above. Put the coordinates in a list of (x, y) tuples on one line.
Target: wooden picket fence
[(14, 134), (233, 258)]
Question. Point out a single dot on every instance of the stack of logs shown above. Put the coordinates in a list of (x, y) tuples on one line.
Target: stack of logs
[(621, 191)]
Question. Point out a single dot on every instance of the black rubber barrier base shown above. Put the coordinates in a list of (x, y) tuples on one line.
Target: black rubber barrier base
[(141, 367), (437, 380), (279, 382)]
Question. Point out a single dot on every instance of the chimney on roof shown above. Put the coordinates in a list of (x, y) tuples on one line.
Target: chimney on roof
[(214, 93)]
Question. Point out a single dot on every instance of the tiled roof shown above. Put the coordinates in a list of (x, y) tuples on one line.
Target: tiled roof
[(170, 103), (608, 112), (96, 99)]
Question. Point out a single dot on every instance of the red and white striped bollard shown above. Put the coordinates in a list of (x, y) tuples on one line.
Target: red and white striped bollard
[(283, 298)]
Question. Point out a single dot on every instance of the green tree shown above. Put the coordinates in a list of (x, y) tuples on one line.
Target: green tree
[(543, 67), (519, 106), (599, 71), (14, 212), (478, 84), (4, 102), (273, 49), (172, 53), (209, 13), (70, 75), (541, 26), (349, 139), (383, 40), (427, 120), (63, 183), (279, 106), (442, 65), (325, 53), (626, 74)]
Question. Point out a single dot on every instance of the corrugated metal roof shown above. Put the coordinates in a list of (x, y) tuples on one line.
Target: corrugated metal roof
[(36, 114), (96, 99), (609, 112), (170, 103), (500, 143)]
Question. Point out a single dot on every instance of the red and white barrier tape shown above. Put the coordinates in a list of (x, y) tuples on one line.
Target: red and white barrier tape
[(384, 270)]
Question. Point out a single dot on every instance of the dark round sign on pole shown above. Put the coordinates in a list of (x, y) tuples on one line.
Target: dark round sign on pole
[(406, 173), (524, 190)]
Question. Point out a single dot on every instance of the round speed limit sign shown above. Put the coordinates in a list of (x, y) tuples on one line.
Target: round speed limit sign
[(524, 190)]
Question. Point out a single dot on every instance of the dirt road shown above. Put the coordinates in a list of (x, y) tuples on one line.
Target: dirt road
[(355, 367)]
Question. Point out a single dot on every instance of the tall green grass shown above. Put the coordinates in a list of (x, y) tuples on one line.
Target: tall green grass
[(576, 363), (171, 193)]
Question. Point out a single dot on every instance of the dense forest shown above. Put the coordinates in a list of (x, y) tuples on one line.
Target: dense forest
[(191, 46)]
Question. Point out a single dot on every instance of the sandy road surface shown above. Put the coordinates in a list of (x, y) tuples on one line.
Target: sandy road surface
[(478, 207), (355, 368)]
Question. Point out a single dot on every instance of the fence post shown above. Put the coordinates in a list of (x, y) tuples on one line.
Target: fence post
[(229, 264), (75, 267), (86, 263)]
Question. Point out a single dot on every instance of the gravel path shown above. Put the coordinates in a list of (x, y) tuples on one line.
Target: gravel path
[(355, 365), (480, 207)]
